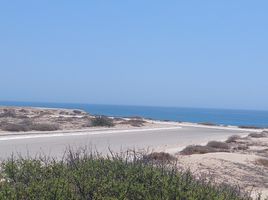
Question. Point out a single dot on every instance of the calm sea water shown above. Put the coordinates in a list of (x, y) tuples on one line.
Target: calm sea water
[(218, 116)]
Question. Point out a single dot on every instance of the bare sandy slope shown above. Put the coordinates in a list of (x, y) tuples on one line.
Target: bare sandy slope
[(238, 167)]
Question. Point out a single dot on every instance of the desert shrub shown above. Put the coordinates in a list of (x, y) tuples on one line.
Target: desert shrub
[(102, 121), (197, 149), (44, 127), (77, 112), (93, 177), (88, 123), (23, 125), (250, 127), (134, 122), (63, 113), (161, 157), (233, 139), (218, 145), (23, 110), (28, 125), (257, 135), (12, 127), (242, 147), (118, 119), (135, 117), (167, 120), (262, 162), (207, 123), (43, 113), (8, 113)]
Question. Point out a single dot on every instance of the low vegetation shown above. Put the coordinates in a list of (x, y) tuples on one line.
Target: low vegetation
[(88, 176), (8, 113), (134, 122), (197, 149), (233, 139), (208, 124), (102, 121), (211, 147), (27, 125), (158, 157), (218, 145), (250, 127), (258, 135), (45, 127)]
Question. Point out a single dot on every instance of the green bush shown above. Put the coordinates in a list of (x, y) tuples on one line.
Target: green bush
[(87, 176)]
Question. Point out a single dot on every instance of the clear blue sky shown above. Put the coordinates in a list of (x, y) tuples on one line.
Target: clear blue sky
[(166, 53)]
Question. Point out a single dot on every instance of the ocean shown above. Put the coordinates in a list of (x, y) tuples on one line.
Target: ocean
[(196, 115)]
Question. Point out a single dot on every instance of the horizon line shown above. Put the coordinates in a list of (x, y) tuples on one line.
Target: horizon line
[(102, 104)]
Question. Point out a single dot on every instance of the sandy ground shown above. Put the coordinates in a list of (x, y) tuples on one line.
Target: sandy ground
[(238, 167)]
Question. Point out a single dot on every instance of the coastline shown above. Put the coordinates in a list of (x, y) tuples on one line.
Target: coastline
[(235, 117), (166, 136)]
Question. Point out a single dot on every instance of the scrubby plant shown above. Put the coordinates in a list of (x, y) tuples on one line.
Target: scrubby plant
[(102, 121), (218, 145), (250, 127), (158, 157), (12, 127), (8, 113), (89, 176), (45, 127), (78, 112), (233, 138), (208, 124), (28, 125), (134, 122), (258, 135), (197, 149)]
